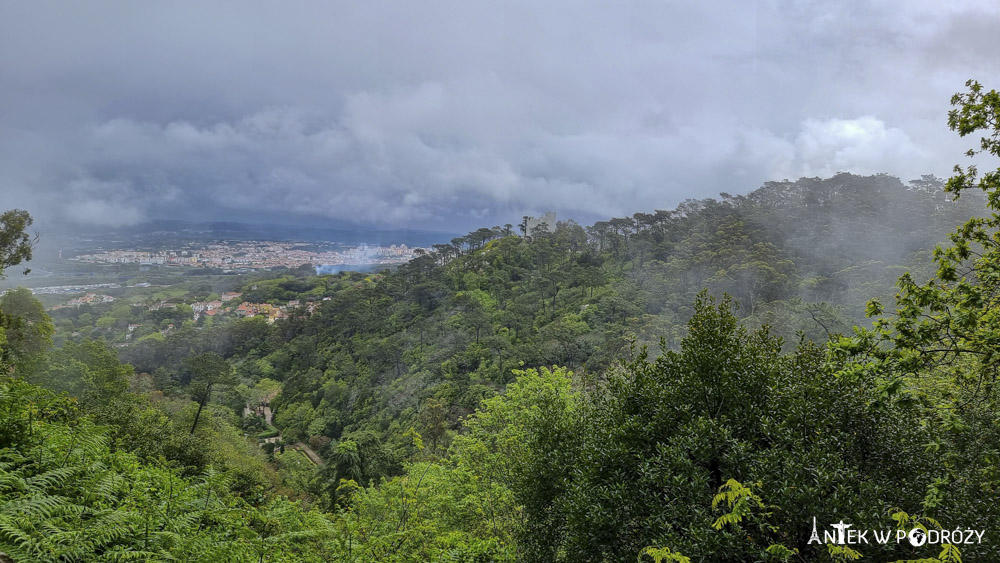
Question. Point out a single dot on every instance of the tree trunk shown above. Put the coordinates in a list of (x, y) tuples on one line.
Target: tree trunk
[(197, 415), (201, 405)]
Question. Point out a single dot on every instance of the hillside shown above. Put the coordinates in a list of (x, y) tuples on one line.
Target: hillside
[(367, 353), (444, 331)]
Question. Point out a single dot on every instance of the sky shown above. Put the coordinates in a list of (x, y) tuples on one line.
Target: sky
[(456, 115)]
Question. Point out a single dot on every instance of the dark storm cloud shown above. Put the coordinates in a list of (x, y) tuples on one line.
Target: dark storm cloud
[(434, 114)]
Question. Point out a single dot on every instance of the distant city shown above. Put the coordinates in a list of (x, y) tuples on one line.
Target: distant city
[(255, 255)]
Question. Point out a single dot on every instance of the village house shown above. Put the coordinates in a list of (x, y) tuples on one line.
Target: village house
[(89, 298), (131, 329), (250, 310)]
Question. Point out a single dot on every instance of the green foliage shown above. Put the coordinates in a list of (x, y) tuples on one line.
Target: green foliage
[(843, 553), (649, 450), (741, 501), (432, 512), (65, 496), (941, 343), (15, 241), (207, 370), (977, 110), (27, 328), (951, 320), (660, 554), (520, 446)]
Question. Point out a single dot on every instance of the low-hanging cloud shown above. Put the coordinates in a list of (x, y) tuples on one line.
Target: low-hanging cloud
[(456, 116), (822, 148), (865, 145)]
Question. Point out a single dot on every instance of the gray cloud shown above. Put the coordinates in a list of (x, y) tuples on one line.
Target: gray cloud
[(456, 115)]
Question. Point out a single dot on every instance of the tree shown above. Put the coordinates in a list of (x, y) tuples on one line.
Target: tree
[(15, 247), (976, 110), (347, 460), (521, 447), (951, 321), (434, 421), (28, 330), (264, 390), (207, 371), (105, 377), (652, 446), (15, 242)]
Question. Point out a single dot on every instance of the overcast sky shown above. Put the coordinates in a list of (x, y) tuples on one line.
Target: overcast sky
[(456, 115)]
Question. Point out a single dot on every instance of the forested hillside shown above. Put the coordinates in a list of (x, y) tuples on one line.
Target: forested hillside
[(422, 346), (685, 382)]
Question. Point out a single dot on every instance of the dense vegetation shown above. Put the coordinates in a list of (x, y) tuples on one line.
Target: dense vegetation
[(443, 429)]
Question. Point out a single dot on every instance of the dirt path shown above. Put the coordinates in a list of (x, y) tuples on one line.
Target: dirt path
[(313, 456)]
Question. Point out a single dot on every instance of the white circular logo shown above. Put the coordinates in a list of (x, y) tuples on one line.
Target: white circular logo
[(917, 537)]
